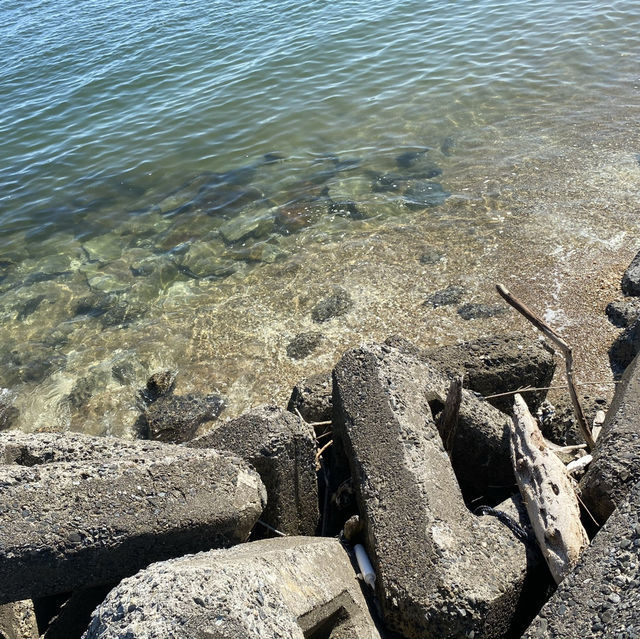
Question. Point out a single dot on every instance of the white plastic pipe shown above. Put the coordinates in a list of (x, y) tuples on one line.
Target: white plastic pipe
[(366, 569)]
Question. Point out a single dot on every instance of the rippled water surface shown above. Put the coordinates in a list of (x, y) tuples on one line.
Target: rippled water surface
[(185, 184)]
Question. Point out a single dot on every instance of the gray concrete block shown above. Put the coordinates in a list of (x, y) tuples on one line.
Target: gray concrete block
[(292, 587), (631, 277), (78, 511), (282, 448), (616, 460), (442, 572), (18, 621), (311, 397), (601, 597)]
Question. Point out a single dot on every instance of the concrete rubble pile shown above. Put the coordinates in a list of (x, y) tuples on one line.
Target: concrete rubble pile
[(396, 530)]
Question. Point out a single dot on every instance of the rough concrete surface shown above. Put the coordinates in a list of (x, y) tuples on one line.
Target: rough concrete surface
[(282, 448), (631, 277), (312, 398), (291, 587), (601, 598), (616, 460), (442, 572), (18, 621), (78, 511)]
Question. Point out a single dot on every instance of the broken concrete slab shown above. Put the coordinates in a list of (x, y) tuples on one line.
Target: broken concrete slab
[(78, 511), (616, 459), (601, 598), (282, 448), (18, 621), (499, 364), (631, 277), (311, 397), (289, 587), (441, 571)]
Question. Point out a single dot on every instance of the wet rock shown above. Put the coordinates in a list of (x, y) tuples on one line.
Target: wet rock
[(282, 449), (255, 220), (206, 260), (447, 145), (291, 587), (480, 311), (430, 255), (79, 511), (631, 277), (414, 514), (623, 313), (409, 159), (337, 304), (303, 344), (616, 459), (311, 397), (159, 384), (424, 194), (499, 364), (292, 217), (33, 362), (625, 347), (601, 597), (9, 414), (445, 297), (18, 621), (30, 307), (176, 418), (273, 157)]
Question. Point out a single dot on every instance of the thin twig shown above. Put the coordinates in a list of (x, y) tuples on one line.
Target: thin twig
[(271, 528), (325, 434), (327, 423), (319, 453), (568, 359), (531, 389)]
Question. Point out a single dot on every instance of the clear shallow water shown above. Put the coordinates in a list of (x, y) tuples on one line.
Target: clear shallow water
[(180, 183)]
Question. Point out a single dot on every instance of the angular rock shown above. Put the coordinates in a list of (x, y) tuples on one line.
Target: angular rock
[(441, 572), (311, 397), (292, 587), (601, 598), (625, 347), (480, 311), (631, 277), (175, 418), (159, 384), (282, 449), (79, 511), (421, 194), (499, 364), (616, 460), (623, 313), (18, 621), (445, 297)]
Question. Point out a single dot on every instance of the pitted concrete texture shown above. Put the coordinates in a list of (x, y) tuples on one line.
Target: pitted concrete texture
[(282, 448), (291, 587), (600, 599), (18, 621), (616, 460), (441, 571), (78, 511)]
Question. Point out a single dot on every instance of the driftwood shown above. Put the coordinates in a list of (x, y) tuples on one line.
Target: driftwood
[(548, 494), (568, 359), (448, 419)]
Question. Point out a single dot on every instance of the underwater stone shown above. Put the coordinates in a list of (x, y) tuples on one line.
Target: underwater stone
[(336, 304), (31, 306), (445, 297), (295, 216), (303, 344), (477, 311), (253, 221), (159, 384), (430, 256), (175, 418), (206, 260), (8, 412), (34, 363), (424, 194), (103, 248)]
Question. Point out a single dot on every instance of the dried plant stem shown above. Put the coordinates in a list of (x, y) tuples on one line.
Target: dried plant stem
[(568, 359)]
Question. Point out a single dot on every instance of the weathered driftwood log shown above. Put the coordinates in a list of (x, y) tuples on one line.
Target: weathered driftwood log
[(548, 494)]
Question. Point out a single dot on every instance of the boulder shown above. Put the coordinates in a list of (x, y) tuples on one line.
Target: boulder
[(441, 571), (631, 277), (334, 305), (623, 313), (499, 364), (601, 597), (18, 621), (282, 448), (79, 511), (290, 587), (625, 347), (311, 397), (616, 460), (176, 418)]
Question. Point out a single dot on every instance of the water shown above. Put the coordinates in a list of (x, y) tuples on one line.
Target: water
[(182, 183)]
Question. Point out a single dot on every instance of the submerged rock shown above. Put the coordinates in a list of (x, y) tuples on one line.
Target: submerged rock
[(623, 313), (175, 418), (9, 414), (424, 194), (159, 384), (480, 311), (631, 277), (337, 304), (430, 255), (445, 297), (255, 221), (303, 344)]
